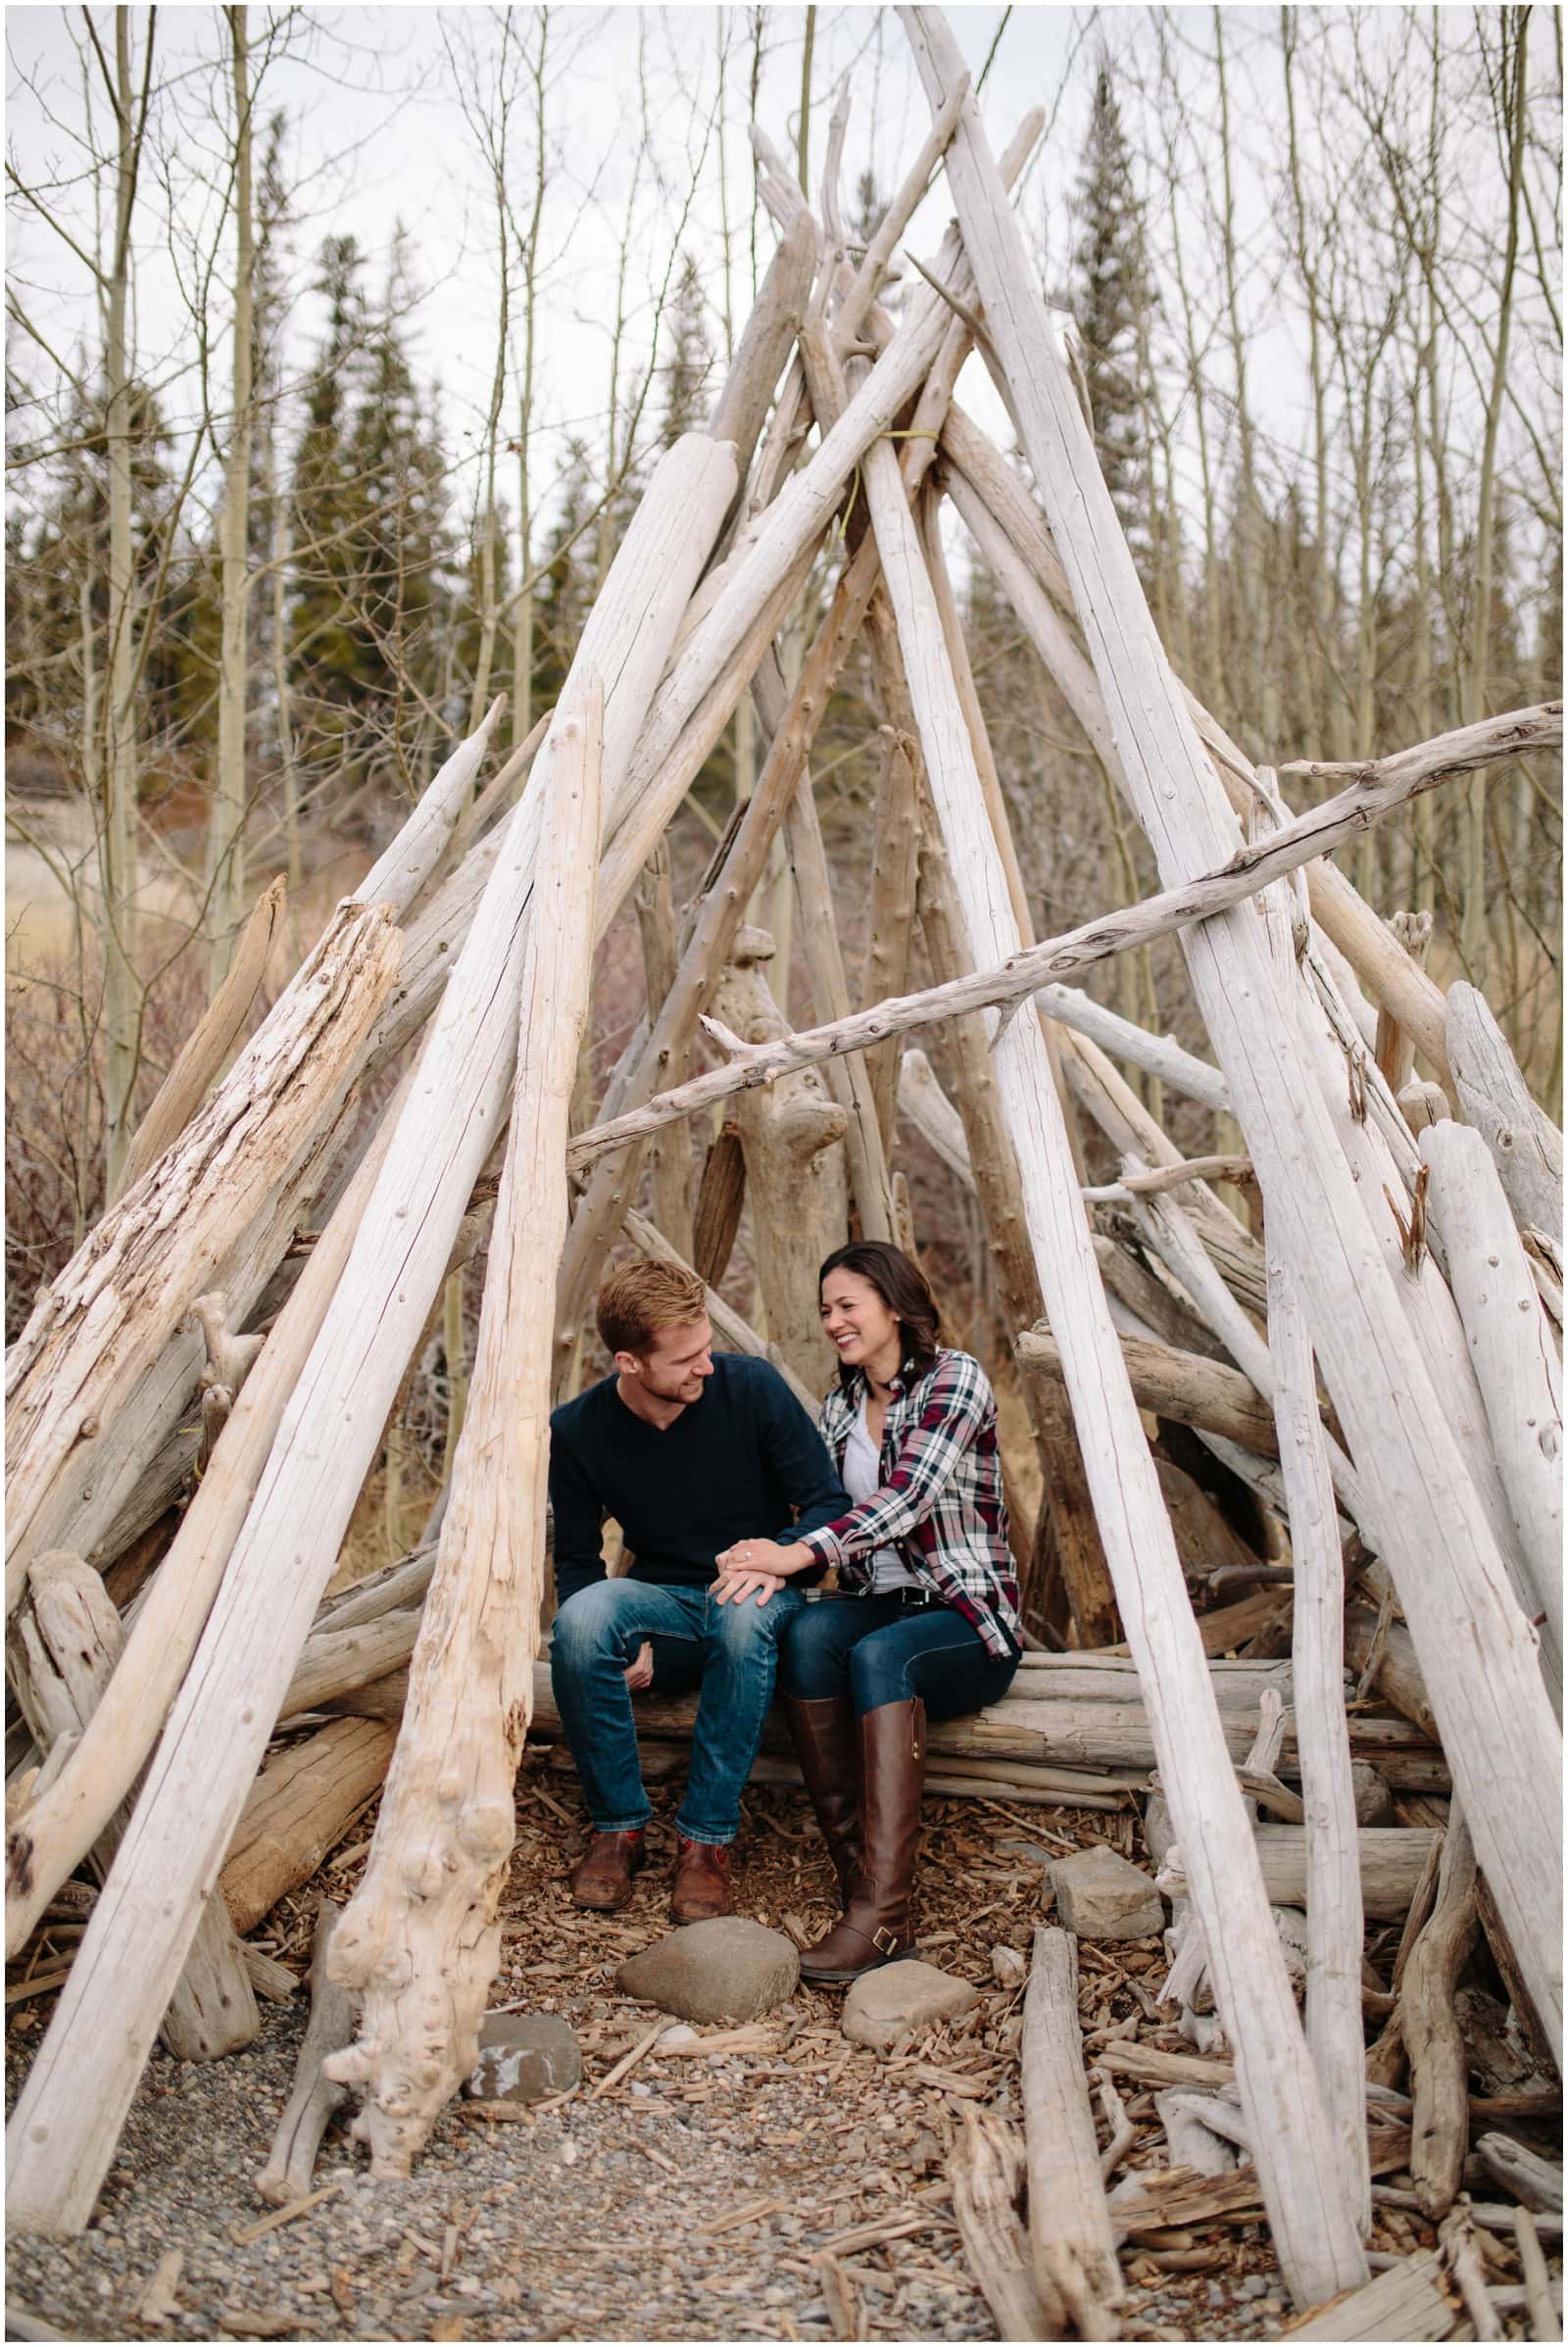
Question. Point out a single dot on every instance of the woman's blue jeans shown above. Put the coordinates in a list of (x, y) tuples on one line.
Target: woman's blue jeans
[(730, 1651), (877, 1651)]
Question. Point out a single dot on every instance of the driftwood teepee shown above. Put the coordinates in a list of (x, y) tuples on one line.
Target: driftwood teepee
[(1408, 1254)]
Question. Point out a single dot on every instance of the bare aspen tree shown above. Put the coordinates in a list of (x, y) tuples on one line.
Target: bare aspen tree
[(1505, 70), (226, 829)]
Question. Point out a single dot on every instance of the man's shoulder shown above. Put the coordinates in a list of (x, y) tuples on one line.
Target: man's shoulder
[(578, 1417), (748, 1380)]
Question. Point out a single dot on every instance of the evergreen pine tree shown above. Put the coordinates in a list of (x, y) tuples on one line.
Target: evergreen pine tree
[(1111, 293), (690, 356)]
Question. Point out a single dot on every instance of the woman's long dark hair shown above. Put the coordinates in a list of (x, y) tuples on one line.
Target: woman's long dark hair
[(901, 1286)]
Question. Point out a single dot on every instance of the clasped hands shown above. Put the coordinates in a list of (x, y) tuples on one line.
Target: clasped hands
[(759, 1566)]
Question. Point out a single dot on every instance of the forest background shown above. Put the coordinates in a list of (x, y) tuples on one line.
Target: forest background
[(341, 343)]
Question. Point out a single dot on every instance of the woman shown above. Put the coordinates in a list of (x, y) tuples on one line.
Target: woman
[(932, 1626)]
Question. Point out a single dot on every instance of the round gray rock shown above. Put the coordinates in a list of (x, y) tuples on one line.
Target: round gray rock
[(896, 1997), (727, 1970), (523, 2057)]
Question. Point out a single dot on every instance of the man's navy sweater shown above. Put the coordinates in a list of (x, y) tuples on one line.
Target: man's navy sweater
[(744, 1461)]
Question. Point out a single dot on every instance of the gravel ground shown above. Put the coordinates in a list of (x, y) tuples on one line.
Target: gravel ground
[(686, 2203)]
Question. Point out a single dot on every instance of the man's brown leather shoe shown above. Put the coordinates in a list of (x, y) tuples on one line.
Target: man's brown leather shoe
[(602, 1880), (701, 1881)]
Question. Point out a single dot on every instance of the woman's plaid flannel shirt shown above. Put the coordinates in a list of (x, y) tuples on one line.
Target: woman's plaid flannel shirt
[(940, 1500)]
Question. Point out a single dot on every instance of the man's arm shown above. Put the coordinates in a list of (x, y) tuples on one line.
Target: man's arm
[(797, 1460), (579, 1522)]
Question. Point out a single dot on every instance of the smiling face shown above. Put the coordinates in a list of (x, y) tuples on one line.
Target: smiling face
[(861, 1327), (677, 1364)]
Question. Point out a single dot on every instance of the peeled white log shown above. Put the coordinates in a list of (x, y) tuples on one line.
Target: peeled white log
[(202, 1055), (1516, 1357), (985, 2170), (71, 1638), (795, 1182), (1334, 1920), (112, 1309), (63, 2136), (1235, 878), (1160, 1055), (1069, 2225), (1390, 1859), (1502, 1739), (1181, 1385), (291, 2162), (1138, 1545), (66, 1818), (420, 1940), (1526, 1145)]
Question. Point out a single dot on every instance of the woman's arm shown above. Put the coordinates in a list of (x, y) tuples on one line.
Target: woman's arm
[(951, 1421)]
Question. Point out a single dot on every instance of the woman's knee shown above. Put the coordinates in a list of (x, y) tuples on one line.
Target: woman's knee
[(811, 1651), (878, 1674)]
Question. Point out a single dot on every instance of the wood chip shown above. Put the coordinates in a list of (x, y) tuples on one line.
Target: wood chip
[(257, 2322), (630, 2062), (746, 2215), (244, 2235), (158, 2297)]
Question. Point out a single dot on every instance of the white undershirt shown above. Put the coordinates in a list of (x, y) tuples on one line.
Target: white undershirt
[(862, 1475)]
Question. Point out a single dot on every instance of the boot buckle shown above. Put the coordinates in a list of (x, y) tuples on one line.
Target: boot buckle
[(885, 1942)]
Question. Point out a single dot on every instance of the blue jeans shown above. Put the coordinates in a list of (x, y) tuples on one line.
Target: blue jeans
[(877, 1651), (730, 1651)]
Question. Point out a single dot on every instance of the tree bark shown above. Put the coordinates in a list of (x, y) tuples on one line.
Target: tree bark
[(420, 1940)]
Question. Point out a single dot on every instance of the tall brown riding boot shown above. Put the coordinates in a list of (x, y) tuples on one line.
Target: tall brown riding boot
[(822, 1731), (875, 1929)]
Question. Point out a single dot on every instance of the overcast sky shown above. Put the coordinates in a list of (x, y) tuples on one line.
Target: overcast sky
[(377, 134)]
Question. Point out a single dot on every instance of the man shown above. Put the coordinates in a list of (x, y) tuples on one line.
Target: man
[(690, 1452)]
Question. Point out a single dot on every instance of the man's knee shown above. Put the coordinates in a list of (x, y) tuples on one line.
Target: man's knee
[(748, 1628), (590, 1624)]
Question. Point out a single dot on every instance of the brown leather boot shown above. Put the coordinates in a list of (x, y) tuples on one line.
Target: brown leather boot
[(875, 1929), (822, 1731), (701, 1881), (602, 1880)]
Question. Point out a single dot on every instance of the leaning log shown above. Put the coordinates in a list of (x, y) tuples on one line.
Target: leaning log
[(1181, 1385), (112, 1310), (1333, 1918), (1314, 2229), (71, 1640), (308, 2113), (1476, 1648), (63, 2131), (1069, 2225), (66, 1819), (1526, 1145), (201, 1056), (1440, 2122), (1514, 1355), (296, 1811), (420, 1940)]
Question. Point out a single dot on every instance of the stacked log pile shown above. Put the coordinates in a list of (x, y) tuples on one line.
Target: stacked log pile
[(1363, 1723)]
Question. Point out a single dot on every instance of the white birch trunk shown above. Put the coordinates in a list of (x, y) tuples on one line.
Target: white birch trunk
[(1476, 1647), (420, 1938)]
